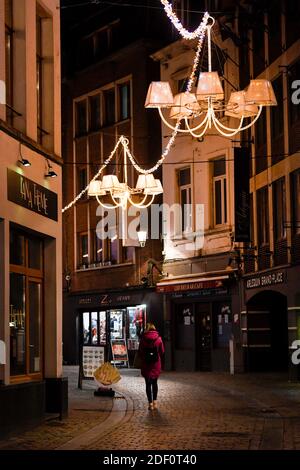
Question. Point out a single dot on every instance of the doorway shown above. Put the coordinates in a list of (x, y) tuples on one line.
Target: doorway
[(203, 336), (267, 332)]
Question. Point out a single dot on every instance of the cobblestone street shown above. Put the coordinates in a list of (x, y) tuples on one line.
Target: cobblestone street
[(200, 411)]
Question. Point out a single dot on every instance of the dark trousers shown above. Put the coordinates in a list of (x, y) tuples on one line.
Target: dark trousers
[(151, 389)]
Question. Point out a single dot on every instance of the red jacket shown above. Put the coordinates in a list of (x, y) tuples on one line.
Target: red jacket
[(149, 339)]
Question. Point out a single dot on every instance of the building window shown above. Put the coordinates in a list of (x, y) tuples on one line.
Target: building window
[(124, 101), (185, 198), (295, 201), (261, 161), (83, 253), (292, 13), (219, 192), (277, 124), (113, 250), (262, 204), (99, 245), (279, 209), (95, 112), (82, 179), (15, 51), (80, 118), (26, 303), (259, 44), (44, 78), (274, 29), (109, 107), (294, 110)]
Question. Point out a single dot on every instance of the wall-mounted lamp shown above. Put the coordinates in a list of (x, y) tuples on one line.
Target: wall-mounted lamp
[(50, 172), (22, 160), (142, 236)]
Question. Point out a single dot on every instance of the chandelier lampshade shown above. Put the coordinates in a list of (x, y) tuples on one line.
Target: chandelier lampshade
[(260, 92), (95, 189), (159, 95), (185, 105), (110, 183), (209, 86), (154, 191), (238, 107), (145, 182)]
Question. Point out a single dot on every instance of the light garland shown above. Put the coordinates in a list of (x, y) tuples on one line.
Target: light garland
[(200, 33), (178, 25)]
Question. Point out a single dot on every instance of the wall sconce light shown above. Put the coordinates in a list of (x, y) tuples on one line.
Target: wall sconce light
[(50, 172), (22, 160), (142, 236)]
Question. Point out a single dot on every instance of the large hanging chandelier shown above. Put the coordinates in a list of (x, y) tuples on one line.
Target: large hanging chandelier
[(204, 108), (112, 193)]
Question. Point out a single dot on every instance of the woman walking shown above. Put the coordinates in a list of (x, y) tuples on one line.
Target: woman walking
[(151, 350)]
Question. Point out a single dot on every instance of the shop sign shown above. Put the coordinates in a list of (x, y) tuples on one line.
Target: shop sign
[(32, 196), (201, 293), (264, 280), (193, 285)]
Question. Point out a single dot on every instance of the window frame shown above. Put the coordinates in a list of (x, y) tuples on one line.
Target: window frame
[(36, 276), (222, 178), (187, 188)]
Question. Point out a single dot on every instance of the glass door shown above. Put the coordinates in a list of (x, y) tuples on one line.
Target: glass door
[(35, 320)]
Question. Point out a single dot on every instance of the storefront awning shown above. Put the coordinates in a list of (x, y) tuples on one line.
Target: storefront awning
[(191, 283)]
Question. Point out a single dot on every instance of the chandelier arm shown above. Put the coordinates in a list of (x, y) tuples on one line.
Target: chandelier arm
[(106, 206), (230, 132), (139, 205), (254, 120), (118, 204), (168, 124), (192, 130)]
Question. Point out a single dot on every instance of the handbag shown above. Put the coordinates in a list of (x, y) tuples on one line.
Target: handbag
[(137, 361)]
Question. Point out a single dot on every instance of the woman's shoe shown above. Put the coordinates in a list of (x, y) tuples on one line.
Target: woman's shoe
[(150, 407), (155, 404)]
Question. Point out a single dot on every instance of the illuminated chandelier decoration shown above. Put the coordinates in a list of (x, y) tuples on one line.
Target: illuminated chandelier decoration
[(207, 103), (120, 194)]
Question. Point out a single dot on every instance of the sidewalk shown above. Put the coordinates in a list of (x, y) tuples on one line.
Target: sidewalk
[(201, 411)]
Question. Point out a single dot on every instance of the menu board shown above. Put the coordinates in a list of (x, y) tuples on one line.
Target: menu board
[(119, 350), (92, 358)]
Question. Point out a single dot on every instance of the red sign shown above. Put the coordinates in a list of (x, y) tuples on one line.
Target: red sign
[(192, 285)]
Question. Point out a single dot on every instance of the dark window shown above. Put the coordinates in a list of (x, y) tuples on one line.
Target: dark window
[(262, 206), (80, 117), (124, 101), (295, 201), (219, 192), (294, 108), (25, 314), (98, 249), (274, 29), (292, 13), (279, 209), (83, 250), (185, 199), (95, 113), (261, 161), (9, 58), (109, 106), (258, 44), (82, 179), (114, 244), (277, 124)]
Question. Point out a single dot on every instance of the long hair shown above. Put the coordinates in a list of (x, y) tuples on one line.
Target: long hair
[(150, 327)]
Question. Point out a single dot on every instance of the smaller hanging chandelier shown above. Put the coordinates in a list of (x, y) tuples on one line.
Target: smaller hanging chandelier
[(206, 106), (112, 193)]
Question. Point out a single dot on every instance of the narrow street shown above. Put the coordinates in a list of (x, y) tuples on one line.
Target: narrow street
[(197, 411)]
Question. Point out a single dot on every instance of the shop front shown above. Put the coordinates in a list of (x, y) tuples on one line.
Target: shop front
[(31, 381), (200, 322), (102, 320), (270, 320)]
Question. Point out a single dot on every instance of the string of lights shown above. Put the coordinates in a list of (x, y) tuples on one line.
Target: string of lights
[(178, 25), (122, 140)]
